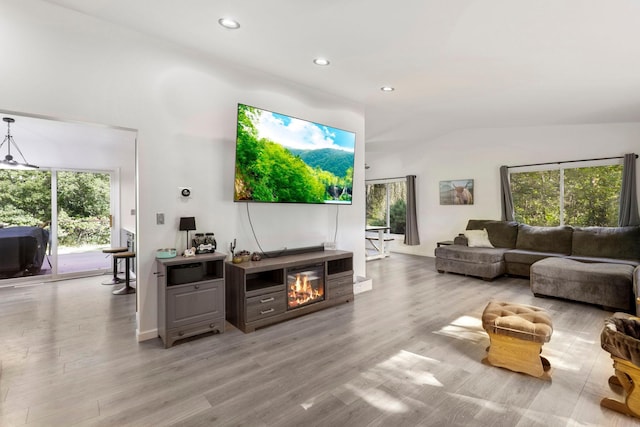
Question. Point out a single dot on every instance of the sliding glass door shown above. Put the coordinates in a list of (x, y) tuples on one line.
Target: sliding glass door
[(83, 220), (55, 222)]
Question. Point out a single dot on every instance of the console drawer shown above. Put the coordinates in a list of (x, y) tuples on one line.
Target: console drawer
[(340, 291), (338, 287), (265, 306), (340, 281)]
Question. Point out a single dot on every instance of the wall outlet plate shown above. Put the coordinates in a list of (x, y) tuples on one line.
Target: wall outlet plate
[(159, 218)]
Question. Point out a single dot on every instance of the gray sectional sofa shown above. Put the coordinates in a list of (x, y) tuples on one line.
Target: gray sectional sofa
[(597, 265)]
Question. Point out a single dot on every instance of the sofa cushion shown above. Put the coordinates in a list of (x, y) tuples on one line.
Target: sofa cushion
[(472, 255), (502, 234), (544, 239), (527, 257), (609, 242), (520, 321)]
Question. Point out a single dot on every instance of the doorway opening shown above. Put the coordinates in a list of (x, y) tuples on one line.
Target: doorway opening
[(63, 218)]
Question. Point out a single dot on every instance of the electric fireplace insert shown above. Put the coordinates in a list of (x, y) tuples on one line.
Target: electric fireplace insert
[(305, 285)]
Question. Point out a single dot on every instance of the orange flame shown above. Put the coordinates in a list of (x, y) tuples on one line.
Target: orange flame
[(302, 292)]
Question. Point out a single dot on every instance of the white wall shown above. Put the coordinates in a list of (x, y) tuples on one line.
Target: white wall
[(68, 65), (478, 154)]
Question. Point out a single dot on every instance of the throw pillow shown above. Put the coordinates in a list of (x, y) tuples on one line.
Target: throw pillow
[(478, 238)]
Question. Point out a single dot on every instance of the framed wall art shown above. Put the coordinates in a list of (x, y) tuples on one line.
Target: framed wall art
[(456, 192)]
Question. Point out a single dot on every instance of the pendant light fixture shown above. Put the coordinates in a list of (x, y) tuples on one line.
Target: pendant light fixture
[(9, 162)]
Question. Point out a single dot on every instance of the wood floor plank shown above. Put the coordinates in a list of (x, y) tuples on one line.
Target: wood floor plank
[(407, 353)]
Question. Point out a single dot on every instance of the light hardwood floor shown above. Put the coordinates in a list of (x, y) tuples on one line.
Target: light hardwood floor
[(407, 353)]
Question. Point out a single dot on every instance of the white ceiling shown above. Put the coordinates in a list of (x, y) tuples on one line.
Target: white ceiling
[(49, 142), (455, 64)]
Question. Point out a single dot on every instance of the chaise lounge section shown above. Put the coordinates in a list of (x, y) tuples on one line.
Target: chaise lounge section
[(606, 284)]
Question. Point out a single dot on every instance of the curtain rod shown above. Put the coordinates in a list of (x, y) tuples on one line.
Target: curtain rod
[(567, 161), (383, 179)]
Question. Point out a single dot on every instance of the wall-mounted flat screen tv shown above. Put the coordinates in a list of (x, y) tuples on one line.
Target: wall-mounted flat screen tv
[(283, 159)]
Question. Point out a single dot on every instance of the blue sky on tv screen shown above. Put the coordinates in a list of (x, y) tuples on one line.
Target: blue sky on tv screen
[(302, 134)]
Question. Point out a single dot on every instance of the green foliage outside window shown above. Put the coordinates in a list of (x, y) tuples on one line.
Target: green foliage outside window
[(74, 231), (398, 217), (536, 197), (83, 204), (376, 196), (25, 197), (591, 196)]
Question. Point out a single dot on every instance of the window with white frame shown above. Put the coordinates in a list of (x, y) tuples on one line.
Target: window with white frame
[(578, 193)]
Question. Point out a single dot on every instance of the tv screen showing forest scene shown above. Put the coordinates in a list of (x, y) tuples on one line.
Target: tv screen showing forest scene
[(283, 159)]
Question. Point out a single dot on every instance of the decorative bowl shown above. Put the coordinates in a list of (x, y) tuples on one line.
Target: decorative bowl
[(166, 253)]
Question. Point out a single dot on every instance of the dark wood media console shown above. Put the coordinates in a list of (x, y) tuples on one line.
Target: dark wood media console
[(257, 295)]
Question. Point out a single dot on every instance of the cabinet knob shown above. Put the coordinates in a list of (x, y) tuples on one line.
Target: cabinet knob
[(268, 311), (197, 286), (262, 301), (212, 325), (181, 333)]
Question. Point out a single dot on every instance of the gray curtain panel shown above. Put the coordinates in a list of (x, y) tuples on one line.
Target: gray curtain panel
[(411, 235), (628, 195), (505, 190)]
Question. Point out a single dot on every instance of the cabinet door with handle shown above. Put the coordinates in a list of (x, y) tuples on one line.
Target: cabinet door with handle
[(193, 303)]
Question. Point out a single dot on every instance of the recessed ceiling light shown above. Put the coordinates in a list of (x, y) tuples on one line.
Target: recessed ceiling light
[(229, 23), (387, 89), (321, 61)]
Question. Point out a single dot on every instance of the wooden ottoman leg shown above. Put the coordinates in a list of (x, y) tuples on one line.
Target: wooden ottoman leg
[(628, 375), (516, 355)]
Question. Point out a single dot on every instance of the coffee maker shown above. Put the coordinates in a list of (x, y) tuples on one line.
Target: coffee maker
[(204, 243)]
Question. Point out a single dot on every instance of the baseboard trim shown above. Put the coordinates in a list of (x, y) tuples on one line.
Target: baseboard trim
[(362, 284), (146, 335)]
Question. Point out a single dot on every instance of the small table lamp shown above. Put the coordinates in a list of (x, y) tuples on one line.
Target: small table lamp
[(187, 223)]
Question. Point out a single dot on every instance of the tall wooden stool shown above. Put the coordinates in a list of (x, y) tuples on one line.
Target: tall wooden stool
[(115, 280), (621, 337), (517, 333), (126, 289)]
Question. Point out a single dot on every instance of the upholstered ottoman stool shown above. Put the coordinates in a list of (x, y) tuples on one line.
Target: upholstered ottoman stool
[(517, 333)]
